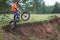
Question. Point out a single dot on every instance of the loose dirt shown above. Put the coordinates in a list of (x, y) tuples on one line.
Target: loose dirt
[(42, 30)]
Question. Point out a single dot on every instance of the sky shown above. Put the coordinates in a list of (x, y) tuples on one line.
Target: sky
[(51, 2)]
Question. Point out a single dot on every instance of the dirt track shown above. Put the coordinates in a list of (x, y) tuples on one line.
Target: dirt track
[(42, 30)]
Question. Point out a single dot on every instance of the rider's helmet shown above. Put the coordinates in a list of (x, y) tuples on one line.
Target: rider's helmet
[(16, 1)]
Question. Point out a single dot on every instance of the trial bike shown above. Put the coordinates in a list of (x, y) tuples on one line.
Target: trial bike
[(21, 16)]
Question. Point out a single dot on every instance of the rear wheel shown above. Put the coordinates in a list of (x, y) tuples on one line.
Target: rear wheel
[(25, 16), (12, 24)]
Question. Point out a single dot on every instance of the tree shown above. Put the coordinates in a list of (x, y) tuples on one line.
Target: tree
[(48, 9), (37, 4), (56, 8), (43, 8), (33, 6), (4, 7)]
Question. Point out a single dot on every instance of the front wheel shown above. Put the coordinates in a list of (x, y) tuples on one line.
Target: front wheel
[(25, 16)]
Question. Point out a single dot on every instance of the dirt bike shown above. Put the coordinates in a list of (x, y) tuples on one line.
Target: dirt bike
[(24, 16)]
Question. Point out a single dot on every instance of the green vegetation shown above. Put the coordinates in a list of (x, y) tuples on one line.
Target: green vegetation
[(39, 17), (31, 38), (32, 6), (33, 17), (0, 38), (4, 20), (58, 27)]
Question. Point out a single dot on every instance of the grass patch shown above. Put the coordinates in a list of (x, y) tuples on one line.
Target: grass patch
[(31, 38), (1, 38), (34, 17), (58, 27), (39, 17)]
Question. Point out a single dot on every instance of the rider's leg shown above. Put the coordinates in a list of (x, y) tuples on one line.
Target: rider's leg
[(17, 15), (14, 16), (18, 18)]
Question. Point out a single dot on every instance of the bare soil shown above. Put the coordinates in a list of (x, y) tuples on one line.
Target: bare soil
[(42, 30)]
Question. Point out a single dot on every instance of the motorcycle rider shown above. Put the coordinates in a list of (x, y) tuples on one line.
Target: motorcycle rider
[(14, 10)]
